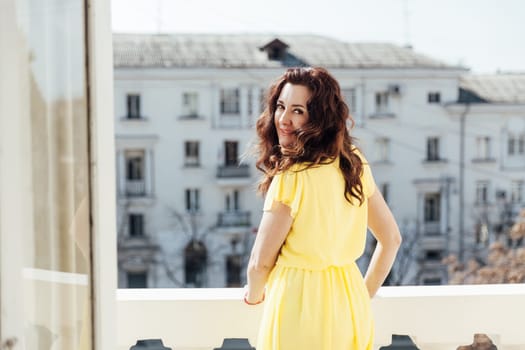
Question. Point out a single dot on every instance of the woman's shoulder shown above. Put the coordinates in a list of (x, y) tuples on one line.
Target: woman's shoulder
[(360, 154)]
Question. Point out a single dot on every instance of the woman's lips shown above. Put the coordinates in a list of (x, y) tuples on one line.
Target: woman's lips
[(286, 132)]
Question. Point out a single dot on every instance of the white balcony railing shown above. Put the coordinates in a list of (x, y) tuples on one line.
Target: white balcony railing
[(437, 317), (135, 188), (432, 228), (233, 219), (233, 171)]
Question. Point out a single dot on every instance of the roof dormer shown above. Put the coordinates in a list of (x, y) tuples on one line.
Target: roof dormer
[(276, 49)]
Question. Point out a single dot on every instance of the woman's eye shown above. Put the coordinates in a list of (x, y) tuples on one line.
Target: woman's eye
[(280, 107), (298, 111)]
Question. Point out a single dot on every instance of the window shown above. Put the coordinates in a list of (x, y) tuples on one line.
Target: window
[(516, 145), (350, 99), (233, 270), (385, 191), (249, 98), (482, 192), (190, 104), (434, 97), (383, 149), (382, 102), (483, 147), (516, 191), (137, 279), (133, 174), (232, 201), (512, 146), (230, 101), (231, 149), (433, 149), (432, 207), (135, 165), (262, 99), (433, 255), (136, 225), (191, 153), (255, 99), (481, 232), (195, 262), (133, 105), (192, 199), (46, 49)]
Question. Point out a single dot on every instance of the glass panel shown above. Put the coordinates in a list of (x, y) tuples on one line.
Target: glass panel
[(49, 78)]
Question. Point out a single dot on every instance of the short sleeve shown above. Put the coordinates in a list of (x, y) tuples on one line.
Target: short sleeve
[(367, 179), (287, 188)]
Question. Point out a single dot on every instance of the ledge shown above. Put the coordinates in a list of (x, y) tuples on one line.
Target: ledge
[(382, 115), (436, 162), (134, 120), (484, 160), (436, 317), (191, 117)]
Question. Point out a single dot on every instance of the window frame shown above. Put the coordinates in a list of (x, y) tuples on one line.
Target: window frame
[(482, 192), (516, 145), (433, 149), (133, 110), (233, 278), (434, 97), (381, 99), (432, 209), (230, 101), (135, 165), (192, 153), (231, 153), (192, 200), (136, 225), (350, 97), (517, 189), (484, 147), (383, 149), (190, 104)]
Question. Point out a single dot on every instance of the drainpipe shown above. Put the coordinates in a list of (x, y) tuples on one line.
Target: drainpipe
[(462, 121)]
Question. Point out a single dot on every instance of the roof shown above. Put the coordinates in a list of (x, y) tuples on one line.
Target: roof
[(244, 51), (495, 88)]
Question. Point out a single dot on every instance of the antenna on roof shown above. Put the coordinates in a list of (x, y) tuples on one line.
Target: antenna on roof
[(406, 24)]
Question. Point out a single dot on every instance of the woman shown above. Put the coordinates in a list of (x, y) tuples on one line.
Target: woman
[(320, 198)]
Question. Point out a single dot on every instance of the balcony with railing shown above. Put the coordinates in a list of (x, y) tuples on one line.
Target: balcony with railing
[(135, 188), (233, 219), (136, 252), (436, 317), (432, 228), (233, 174)]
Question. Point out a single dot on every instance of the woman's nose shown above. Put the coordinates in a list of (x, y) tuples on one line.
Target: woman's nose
[(284, 117)]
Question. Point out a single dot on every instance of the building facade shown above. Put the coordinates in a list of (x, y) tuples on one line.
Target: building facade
[(185, 108)]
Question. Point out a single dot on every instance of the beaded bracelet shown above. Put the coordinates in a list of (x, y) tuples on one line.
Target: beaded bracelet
[(256, 303)]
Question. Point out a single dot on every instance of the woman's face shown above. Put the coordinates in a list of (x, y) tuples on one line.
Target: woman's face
[(290, 112)]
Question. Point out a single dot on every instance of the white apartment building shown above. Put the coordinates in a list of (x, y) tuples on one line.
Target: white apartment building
[(185, 107), (490, 113)]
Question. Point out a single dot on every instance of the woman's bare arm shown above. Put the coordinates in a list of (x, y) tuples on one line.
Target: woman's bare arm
[(384, 228), (273, 229)]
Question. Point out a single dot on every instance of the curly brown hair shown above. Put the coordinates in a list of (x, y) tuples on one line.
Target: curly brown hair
[(323, 138)]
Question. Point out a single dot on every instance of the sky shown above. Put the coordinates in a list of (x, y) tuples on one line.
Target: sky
[(486, 36)]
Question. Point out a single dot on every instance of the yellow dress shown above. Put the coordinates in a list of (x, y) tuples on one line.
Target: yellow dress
[(316, 298)]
